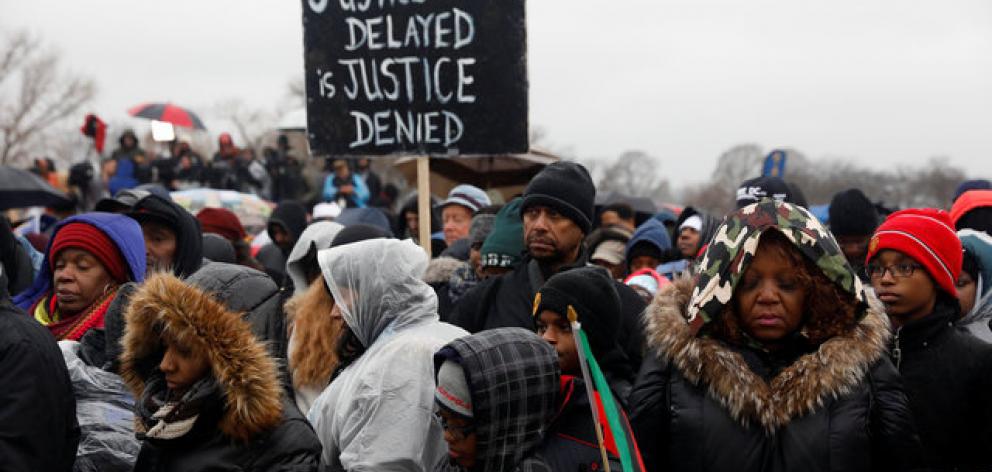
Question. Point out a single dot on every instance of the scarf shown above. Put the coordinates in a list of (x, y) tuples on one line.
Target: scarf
[(160, 416), (74, 327)]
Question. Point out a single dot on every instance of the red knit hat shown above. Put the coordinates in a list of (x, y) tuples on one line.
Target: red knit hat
[(968, 201), (90, 239), (926, 235), (221, 221)]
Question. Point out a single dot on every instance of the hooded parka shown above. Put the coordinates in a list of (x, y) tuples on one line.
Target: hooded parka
[(704, 403), (241, 419), (377, 414)]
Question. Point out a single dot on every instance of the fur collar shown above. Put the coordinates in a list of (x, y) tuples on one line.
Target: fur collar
[(239, 362), (833, 370), (439, 270)]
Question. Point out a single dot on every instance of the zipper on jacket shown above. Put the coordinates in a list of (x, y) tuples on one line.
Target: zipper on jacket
[(896, 349)]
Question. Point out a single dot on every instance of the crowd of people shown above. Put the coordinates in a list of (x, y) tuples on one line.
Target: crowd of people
[(139, 336), (274, 173)]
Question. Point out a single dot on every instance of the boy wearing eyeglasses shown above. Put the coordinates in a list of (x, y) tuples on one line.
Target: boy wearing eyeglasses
[(913, 262), (495, 396)]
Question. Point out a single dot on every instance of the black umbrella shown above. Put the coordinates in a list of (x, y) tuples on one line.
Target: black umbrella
[(20, 188), (639, 204)]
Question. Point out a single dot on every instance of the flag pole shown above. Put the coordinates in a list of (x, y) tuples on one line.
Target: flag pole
[(573, 319)]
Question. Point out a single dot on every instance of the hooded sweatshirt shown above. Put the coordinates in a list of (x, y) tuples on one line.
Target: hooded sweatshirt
[(514, 377), (652, 232), (710, 225), (833, 402), (189, 237), (292, 217), (979, 244), (122, 231), (240, 418), (377, 414)]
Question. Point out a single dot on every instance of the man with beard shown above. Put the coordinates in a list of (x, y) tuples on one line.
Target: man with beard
[(557, 212)]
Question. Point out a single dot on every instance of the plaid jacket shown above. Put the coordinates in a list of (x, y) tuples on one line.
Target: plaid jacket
[(514, 379)]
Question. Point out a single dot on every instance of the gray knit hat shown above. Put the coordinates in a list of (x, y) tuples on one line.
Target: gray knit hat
[(452, 390), (482, 225)]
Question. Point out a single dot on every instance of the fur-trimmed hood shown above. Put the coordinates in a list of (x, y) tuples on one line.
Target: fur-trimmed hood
[(440, 269), (834, 369), (239, 362)]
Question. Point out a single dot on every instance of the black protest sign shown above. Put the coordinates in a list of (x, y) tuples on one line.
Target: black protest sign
[(415, 76)]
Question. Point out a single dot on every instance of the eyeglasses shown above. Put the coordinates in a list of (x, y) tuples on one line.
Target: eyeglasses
[(457, 432), (877, 271)]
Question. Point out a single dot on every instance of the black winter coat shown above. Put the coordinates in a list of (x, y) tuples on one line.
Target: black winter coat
[(703, 405), (570, 444), (508, 301), (38, 427), (948, 377), (291, 447)]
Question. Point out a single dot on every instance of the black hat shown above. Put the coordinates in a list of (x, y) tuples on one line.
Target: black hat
[(758, 188), (358, 232), (122, 202), (566, 187), (591, 292), (852, 214)]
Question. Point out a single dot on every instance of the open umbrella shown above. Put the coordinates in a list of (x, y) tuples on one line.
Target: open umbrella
[(253, 212), (20, 189), (168, 113), (642, 206), (507, 173)]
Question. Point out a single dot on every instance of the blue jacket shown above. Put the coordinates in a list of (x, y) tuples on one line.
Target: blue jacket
[(123, 231), (653, 232), (360, 198)]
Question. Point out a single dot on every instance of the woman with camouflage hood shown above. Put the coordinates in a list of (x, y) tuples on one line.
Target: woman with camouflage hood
[(772, 358)]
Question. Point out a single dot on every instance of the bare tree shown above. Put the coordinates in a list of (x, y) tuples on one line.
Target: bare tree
[(35, 95), (296, 90), (737, 164), (635, 173)]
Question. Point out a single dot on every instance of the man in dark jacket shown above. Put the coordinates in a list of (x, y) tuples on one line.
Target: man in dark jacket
[(38, 427), (557, 212), (173, 239), (914, 260)]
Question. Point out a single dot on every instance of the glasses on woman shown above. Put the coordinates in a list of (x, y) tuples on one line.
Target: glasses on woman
[(877, 271), (458, 432)]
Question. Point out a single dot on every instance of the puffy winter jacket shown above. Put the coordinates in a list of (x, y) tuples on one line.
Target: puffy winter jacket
[(245, 423), (38, 428), (948, 377), (827, 403)]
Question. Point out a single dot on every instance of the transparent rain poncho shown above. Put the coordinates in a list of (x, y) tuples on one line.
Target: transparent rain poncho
[(377, 284), (104, 408), (378, 413)]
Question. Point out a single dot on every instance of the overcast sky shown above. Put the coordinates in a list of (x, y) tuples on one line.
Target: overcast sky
[(882, 82)]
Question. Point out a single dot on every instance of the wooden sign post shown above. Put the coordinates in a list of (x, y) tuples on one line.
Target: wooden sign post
[(421, 77)]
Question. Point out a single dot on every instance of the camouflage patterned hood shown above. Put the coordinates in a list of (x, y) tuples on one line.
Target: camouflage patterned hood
[(735, 242)]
